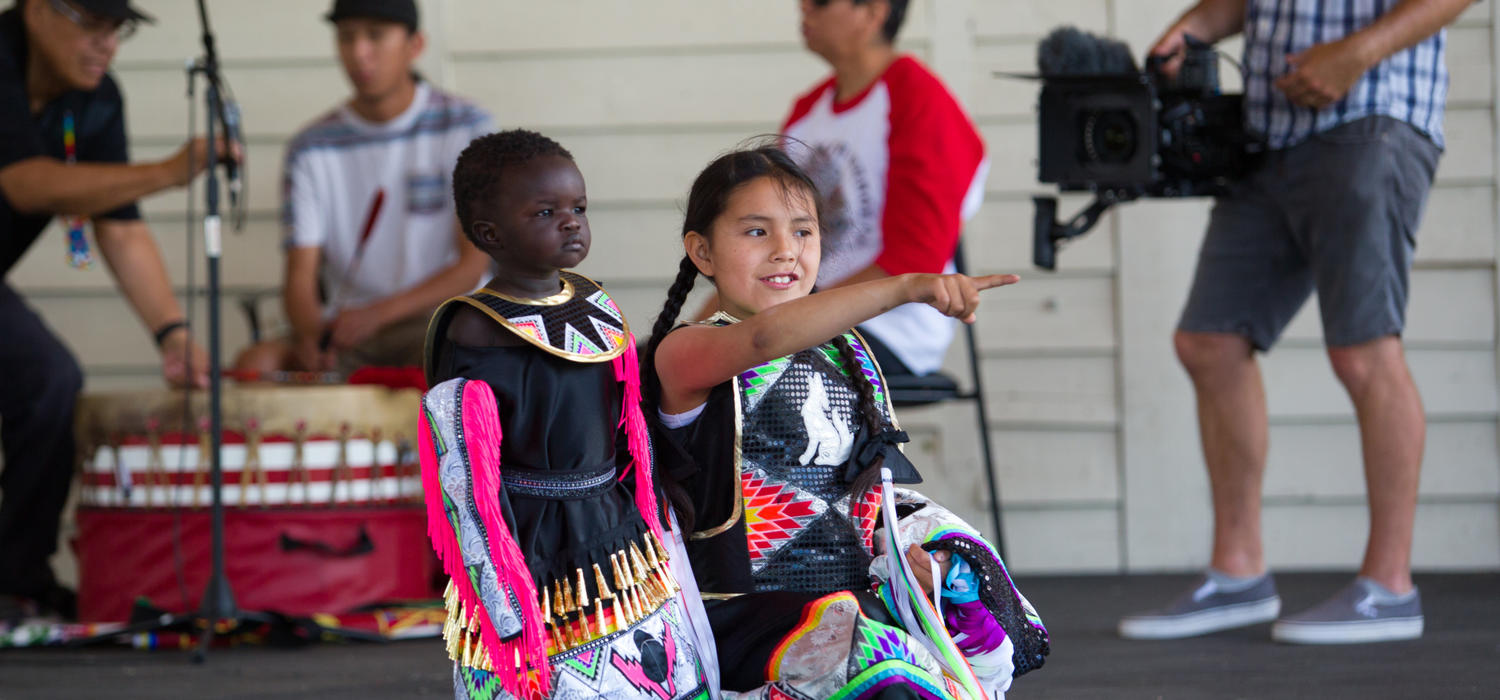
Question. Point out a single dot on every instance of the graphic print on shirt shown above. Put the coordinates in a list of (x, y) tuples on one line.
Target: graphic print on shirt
[(842, 182)]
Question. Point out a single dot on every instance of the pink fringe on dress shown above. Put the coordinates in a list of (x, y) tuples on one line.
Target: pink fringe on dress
[(627, 369), (482, 435)]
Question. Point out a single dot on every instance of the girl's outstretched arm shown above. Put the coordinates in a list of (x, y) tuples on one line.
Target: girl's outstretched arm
[(694, 360)]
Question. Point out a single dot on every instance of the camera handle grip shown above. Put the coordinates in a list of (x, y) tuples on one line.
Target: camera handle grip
[(1047, 230)]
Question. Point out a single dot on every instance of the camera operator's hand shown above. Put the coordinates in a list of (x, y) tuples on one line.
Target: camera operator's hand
[(1209, 21), (1324, 73), (1174, 45)]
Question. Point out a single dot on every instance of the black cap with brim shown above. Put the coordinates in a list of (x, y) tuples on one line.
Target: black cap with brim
[(113, 9), (401, 11)]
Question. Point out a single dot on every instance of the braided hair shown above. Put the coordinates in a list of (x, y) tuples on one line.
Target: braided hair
[(707, 200), (871, 420)]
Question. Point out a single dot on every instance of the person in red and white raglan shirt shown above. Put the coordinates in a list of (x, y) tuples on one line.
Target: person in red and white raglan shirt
[(898, 162)]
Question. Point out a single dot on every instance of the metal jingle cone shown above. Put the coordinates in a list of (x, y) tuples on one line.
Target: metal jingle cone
[(562, 614), (658, 567), (623, 594), (632, 588), (661, 550), (647, 576), (603, 594), (642, 582), (547, 620), (583, 602), (467, 651)]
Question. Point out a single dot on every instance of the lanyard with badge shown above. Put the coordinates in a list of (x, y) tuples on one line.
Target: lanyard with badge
[(78, 245)]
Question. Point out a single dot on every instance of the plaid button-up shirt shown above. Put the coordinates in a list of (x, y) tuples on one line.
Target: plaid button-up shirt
[(1410, 85)]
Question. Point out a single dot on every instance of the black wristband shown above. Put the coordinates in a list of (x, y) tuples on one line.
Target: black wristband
[(166, 330)]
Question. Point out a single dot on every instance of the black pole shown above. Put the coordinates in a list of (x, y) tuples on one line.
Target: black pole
[(218, 598)]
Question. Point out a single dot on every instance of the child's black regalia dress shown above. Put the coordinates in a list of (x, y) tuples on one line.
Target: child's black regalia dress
[(798, 590), (559, 586)]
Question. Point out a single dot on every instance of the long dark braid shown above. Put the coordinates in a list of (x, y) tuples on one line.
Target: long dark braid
[(871, 420), (687, 274)]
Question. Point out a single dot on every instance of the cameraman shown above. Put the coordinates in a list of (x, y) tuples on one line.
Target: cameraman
[(1349, 98)]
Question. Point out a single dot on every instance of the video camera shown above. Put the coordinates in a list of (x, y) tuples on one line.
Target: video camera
[(1109, 128)]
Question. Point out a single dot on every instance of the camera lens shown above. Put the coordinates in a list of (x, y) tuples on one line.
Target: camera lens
[(1109, 136)]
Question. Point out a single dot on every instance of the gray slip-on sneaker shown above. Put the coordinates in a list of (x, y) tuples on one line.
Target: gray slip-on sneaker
[(1204, 609), (1352, 616)]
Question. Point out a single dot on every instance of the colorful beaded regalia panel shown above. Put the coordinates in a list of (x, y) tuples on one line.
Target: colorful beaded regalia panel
[(798, 424), (591, 331), (652, 657)]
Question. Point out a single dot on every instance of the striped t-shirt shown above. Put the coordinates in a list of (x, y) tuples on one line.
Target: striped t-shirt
[(335, 166), (1410, 85)]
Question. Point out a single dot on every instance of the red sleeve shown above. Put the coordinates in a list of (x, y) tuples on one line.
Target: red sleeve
[(935, 153), (804, 104)]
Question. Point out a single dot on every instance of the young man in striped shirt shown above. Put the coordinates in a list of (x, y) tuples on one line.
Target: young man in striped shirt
[(372, 241), (1349, 98)]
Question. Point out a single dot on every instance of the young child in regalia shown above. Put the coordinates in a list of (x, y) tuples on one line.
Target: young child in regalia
[(536, 462), (779, 451)]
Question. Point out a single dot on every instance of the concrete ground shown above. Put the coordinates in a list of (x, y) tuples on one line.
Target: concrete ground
[(1458, 657)]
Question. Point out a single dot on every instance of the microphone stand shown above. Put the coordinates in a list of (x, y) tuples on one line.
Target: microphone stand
[(218, 614), (218, 611)]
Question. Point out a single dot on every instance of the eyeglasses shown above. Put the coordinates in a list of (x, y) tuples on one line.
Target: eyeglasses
[(93, 24)]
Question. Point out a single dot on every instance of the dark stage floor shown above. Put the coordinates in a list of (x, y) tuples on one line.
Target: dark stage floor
[(1459, 657)]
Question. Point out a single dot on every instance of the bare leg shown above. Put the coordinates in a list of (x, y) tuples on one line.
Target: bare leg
[(1233, 427), (1392, 430)]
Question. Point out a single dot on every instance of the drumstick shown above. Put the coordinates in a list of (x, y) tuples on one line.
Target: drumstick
[(359, 255)]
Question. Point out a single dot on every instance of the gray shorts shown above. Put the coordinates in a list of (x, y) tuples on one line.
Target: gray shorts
[(1337, 213)]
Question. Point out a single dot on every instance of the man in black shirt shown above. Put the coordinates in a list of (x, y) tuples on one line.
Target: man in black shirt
[(54, 55)]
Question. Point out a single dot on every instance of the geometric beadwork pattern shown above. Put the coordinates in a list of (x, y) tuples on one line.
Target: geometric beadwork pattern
[(755, 381), (611, 335), (602, 300), (578, 344), (775, 511), (532, 326), (865, 513), (875, 643), (582, 323)]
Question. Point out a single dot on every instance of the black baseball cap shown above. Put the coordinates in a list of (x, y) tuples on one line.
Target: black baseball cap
[(113, 9), (403, 11)]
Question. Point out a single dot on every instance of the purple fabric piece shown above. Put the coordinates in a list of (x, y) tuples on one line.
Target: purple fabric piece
[(974, 629)]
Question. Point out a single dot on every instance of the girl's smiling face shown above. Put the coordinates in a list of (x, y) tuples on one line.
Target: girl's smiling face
[(763, 249)]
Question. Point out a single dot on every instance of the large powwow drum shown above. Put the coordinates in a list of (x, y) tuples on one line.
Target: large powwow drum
[(321, 490), (299, 446)]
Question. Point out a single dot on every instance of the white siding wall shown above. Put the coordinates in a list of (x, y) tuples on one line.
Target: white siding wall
[(1092, 419)]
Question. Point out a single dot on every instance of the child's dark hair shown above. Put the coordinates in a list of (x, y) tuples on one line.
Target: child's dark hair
[(708, 199), (483, 162)]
